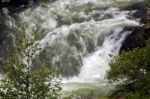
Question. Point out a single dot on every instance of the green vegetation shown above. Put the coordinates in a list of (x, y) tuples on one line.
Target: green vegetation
[(21, 79), (131, 71)]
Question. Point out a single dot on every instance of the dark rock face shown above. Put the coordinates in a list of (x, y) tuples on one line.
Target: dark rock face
[(137, 38), (15, 5), (140, 35), (19, 5)]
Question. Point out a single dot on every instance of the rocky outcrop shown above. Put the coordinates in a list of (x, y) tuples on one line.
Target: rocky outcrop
[(12, 6), (139, 35)]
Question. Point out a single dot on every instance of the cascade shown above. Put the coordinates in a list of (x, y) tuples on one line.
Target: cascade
[(81, 36)]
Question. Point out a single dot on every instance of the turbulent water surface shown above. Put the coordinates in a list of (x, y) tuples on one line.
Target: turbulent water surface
[(81, 37)]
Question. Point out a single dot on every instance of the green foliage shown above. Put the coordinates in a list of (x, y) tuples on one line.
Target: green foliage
[(22, 80), (129, 95), (130, 66), (133, 70)]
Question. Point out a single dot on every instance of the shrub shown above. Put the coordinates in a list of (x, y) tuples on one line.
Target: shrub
[(132, 69), (22, 80)]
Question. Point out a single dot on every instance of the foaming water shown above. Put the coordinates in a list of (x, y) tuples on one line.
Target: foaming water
[(81, 37)]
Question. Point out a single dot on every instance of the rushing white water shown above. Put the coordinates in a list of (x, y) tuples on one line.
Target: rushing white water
[(81, 36)]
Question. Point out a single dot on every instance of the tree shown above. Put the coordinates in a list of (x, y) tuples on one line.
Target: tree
[(21, 79), (133, 70)]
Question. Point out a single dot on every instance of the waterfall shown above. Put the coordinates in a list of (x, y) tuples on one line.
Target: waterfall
[(81, 36)]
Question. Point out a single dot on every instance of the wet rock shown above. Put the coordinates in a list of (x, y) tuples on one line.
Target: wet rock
[(139, 35), (136, 39), (14, 6)]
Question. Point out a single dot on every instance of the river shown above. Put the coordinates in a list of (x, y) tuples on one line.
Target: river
[(81, 36)]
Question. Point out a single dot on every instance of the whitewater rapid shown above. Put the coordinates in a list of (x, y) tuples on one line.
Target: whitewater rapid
[(81, 36)]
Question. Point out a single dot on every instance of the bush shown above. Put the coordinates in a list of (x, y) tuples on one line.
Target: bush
[(22, 80), (132, 69)]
